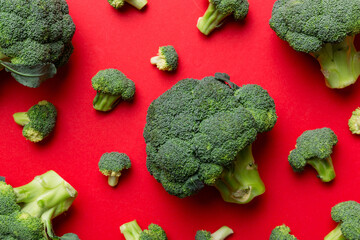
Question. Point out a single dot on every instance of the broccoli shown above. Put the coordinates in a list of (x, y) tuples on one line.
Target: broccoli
[(282, 233), (111, 165), (218, 10), (35, 39), (112, 86), (220, 234), (132, 231), (325, 30), (314, 147), (139, 4), (39, 121), (201, 132), (354, 122), (167, 59), (26, 211), (347, 214)]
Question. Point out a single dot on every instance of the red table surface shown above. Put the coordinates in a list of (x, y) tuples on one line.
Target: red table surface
[(250, 52)]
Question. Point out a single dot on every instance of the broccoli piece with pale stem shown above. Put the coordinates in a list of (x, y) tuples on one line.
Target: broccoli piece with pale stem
[(139, 4), (167, 59), (354, 122), (132, 231), (111, 165), (220, 234)]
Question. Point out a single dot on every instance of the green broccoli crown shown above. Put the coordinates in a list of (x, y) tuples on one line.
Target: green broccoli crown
[(195, 130), (347, 214), (167, 59), (132, 231), (7, 199), (154, 232), (113, 162), (282, 233), (203, 235), (219, 234), (308, 24), (238, 8), (354, 122)]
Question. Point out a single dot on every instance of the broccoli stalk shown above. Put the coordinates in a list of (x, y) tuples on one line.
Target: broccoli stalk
[(105, 102), (335, 234), (212, 19), (340, 63), (139, 4), (354, 122), (132, 231), (21, 118), (324, 168), (2, 58), (222, 233), (241, 183)]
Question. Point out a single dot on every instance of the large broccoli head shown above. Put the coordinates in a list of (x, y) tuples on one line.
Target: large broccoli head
[(200, 132), (35, 38), (325, 29)]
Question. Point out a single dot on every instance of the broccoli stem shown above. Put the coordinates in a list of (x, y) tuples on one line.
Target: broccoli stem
[(139, 4), (155, 60), (212, 19), (335, 234), (131, 230), (2, 58), (113, 180), (222, 233), (105, 102), (324, 168), (340, 63), (21, 118), (241, 183)]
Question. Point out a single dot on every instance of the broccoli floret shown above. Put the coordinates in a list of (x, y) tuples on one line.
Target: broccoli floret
[(111, 165), (139, 4), (167, 59), (35, 39), (220, 234), (218, 10), (314, 147), (324, 29), (39, 121), (282, 233), (201, 132), (26, 211), (112, 86), (347, 214), (132, 231), (354, 122)]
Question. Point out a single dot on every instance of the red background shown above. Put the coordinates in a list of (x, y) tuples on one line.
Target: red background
[(249, 52)]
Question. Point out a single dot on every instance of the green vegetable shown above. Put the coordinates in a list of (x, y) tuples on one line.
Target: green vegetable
[(111, 165), (347, 214), (354, 122), (39, 121), (35, 39), (112, 86), (139, 4), (220, 234), (26, 212), (282, 233), (218, 10), (132, 231), (314, 147), (324, 29), (200, 132), (167, 59)]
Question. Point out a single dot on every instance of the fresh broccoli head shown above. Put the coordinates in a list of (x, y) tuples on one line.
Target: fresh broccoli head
[(111, 165), (354, 122), (218, 10), (139, 4), (220, 234), (35, 39), (167, 59), (132, 231), (282, 233), (347, 214), (39, 121), (26, 212), (324, 29), (314, 147), (200, 132), (112, 86)]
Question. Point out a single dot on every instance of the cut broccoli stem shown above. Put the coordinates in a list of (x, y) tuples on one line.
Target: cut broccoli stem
[(131, 230), (324, 168), (335, 234), (155, 60), (212, 19), (105, 102), (113, 179), (139, 4), (222, 233), (340, 63), (241, 183), (21, 118)]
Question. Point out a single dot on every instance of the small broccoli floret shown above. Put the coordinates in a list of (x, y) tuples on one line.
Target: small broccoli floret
[(354, 122), (218, 10), (220, 234), (132, 231), (111, 165), (347, 214), (324, 29), (39, 121), (314, 147), (282, 233), (167, 59), (112, 86), (139, 4)]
